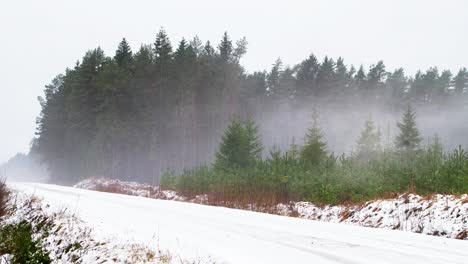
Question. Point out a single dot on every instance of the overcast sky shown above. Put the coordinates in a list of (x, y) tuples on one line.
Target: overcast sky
[(39, 39)]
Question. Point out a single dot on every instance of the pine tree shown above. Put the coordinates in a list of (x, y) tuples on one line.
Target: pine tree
[(360, 80), (253, 141), (368, 143), (162, 48), (306, 76), (225, 48), (273, 77), (442, 86), (376, 75), (461, 81), (326, 80), (396, 84), (240, 146), (341, 74), (314, 149), (409, 138), (123, 55)]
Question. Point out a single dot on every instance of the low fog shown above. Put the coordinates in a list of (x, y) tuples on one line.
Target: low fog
[(24, 168), (342, 126)]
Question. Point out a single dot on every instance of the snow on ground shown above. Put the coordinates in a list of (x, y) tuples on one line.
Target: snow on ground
[(68, 239), (439, 215), (135, 189), (223, 235)]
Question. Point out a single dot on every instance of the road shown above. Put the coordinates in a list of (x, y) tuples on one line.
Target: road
[(235, 236)]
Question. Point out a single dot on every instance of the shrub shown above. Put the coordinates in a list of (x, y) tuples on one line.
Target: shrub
[(17, 241)]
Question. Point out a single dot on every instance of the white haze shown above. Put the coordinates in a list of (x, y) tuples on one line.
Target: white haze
[(41, 38)]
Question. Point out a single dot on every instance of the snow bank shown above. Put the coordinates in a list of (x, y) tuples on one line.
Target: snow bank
[(68, 239), (135, 189), (439, 215)]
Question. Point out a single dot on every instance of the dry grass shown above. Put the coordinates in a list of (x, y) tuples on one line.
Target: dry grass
[(164, 257), (462, 235), (111, 188), (347, 213), (464, 200)]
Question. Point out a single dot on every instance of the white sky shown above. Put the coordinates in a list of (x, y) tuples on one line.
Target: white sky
[(39, 39)]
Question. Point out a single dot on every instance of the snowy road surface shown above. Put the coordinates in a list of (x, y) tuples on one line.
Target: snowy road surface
[(233, 236)]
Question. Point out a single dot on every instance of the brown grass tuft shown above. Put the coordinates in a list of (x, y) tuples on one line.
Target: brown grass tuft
[(111, 188), (462, 235), (389, 195), (347, 213), (464, 201)]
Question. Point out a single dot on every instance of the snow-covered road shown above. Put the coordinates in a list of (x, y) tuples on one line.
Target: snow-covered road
[(233, 236)]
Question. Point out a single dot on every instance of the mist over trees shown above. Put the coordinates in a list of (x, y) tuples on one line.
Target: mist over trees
[(165, 106), (24, 167)]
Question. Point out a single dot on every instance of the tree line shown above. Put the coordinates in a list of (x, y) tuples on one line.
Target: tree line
[(137, 114)]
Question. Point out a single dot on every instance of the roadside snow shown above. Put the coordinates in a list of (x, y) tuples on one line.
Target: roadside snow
[(194, 231), (129, 188), (68, 239), (439, 215)]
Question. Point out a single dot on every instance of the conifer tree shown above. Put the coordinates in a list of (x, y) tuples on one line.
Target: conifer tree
[(306, 76), (376, 75), (162, 46), (360, 80), (461, 81), (123, 56), (314, 149), (273, 78), (326, 80), (409, 138), (368, 143), (240, 146), (225, 48), (253, 141)]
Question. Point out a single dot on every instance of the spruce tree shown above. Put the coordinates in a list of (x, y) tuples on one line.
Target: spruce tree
[(240, 146), (408, 139), (326, 77), (368, 143), (314, 149), (225, 48), (253, 141), (123, 55), (306, 76), (162, 48)]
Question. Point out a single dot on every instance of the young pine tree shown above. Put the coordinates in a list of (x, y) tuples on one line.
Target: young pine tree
[(368, 143), (314, 149), (409, 137), (240, 146)]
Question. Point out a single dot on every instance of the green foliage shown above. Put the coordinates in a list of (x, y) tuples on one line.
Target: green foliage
[(168, 180), (285, 176), (409, 138), (17, 240), (314, 149), (240, 146)]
